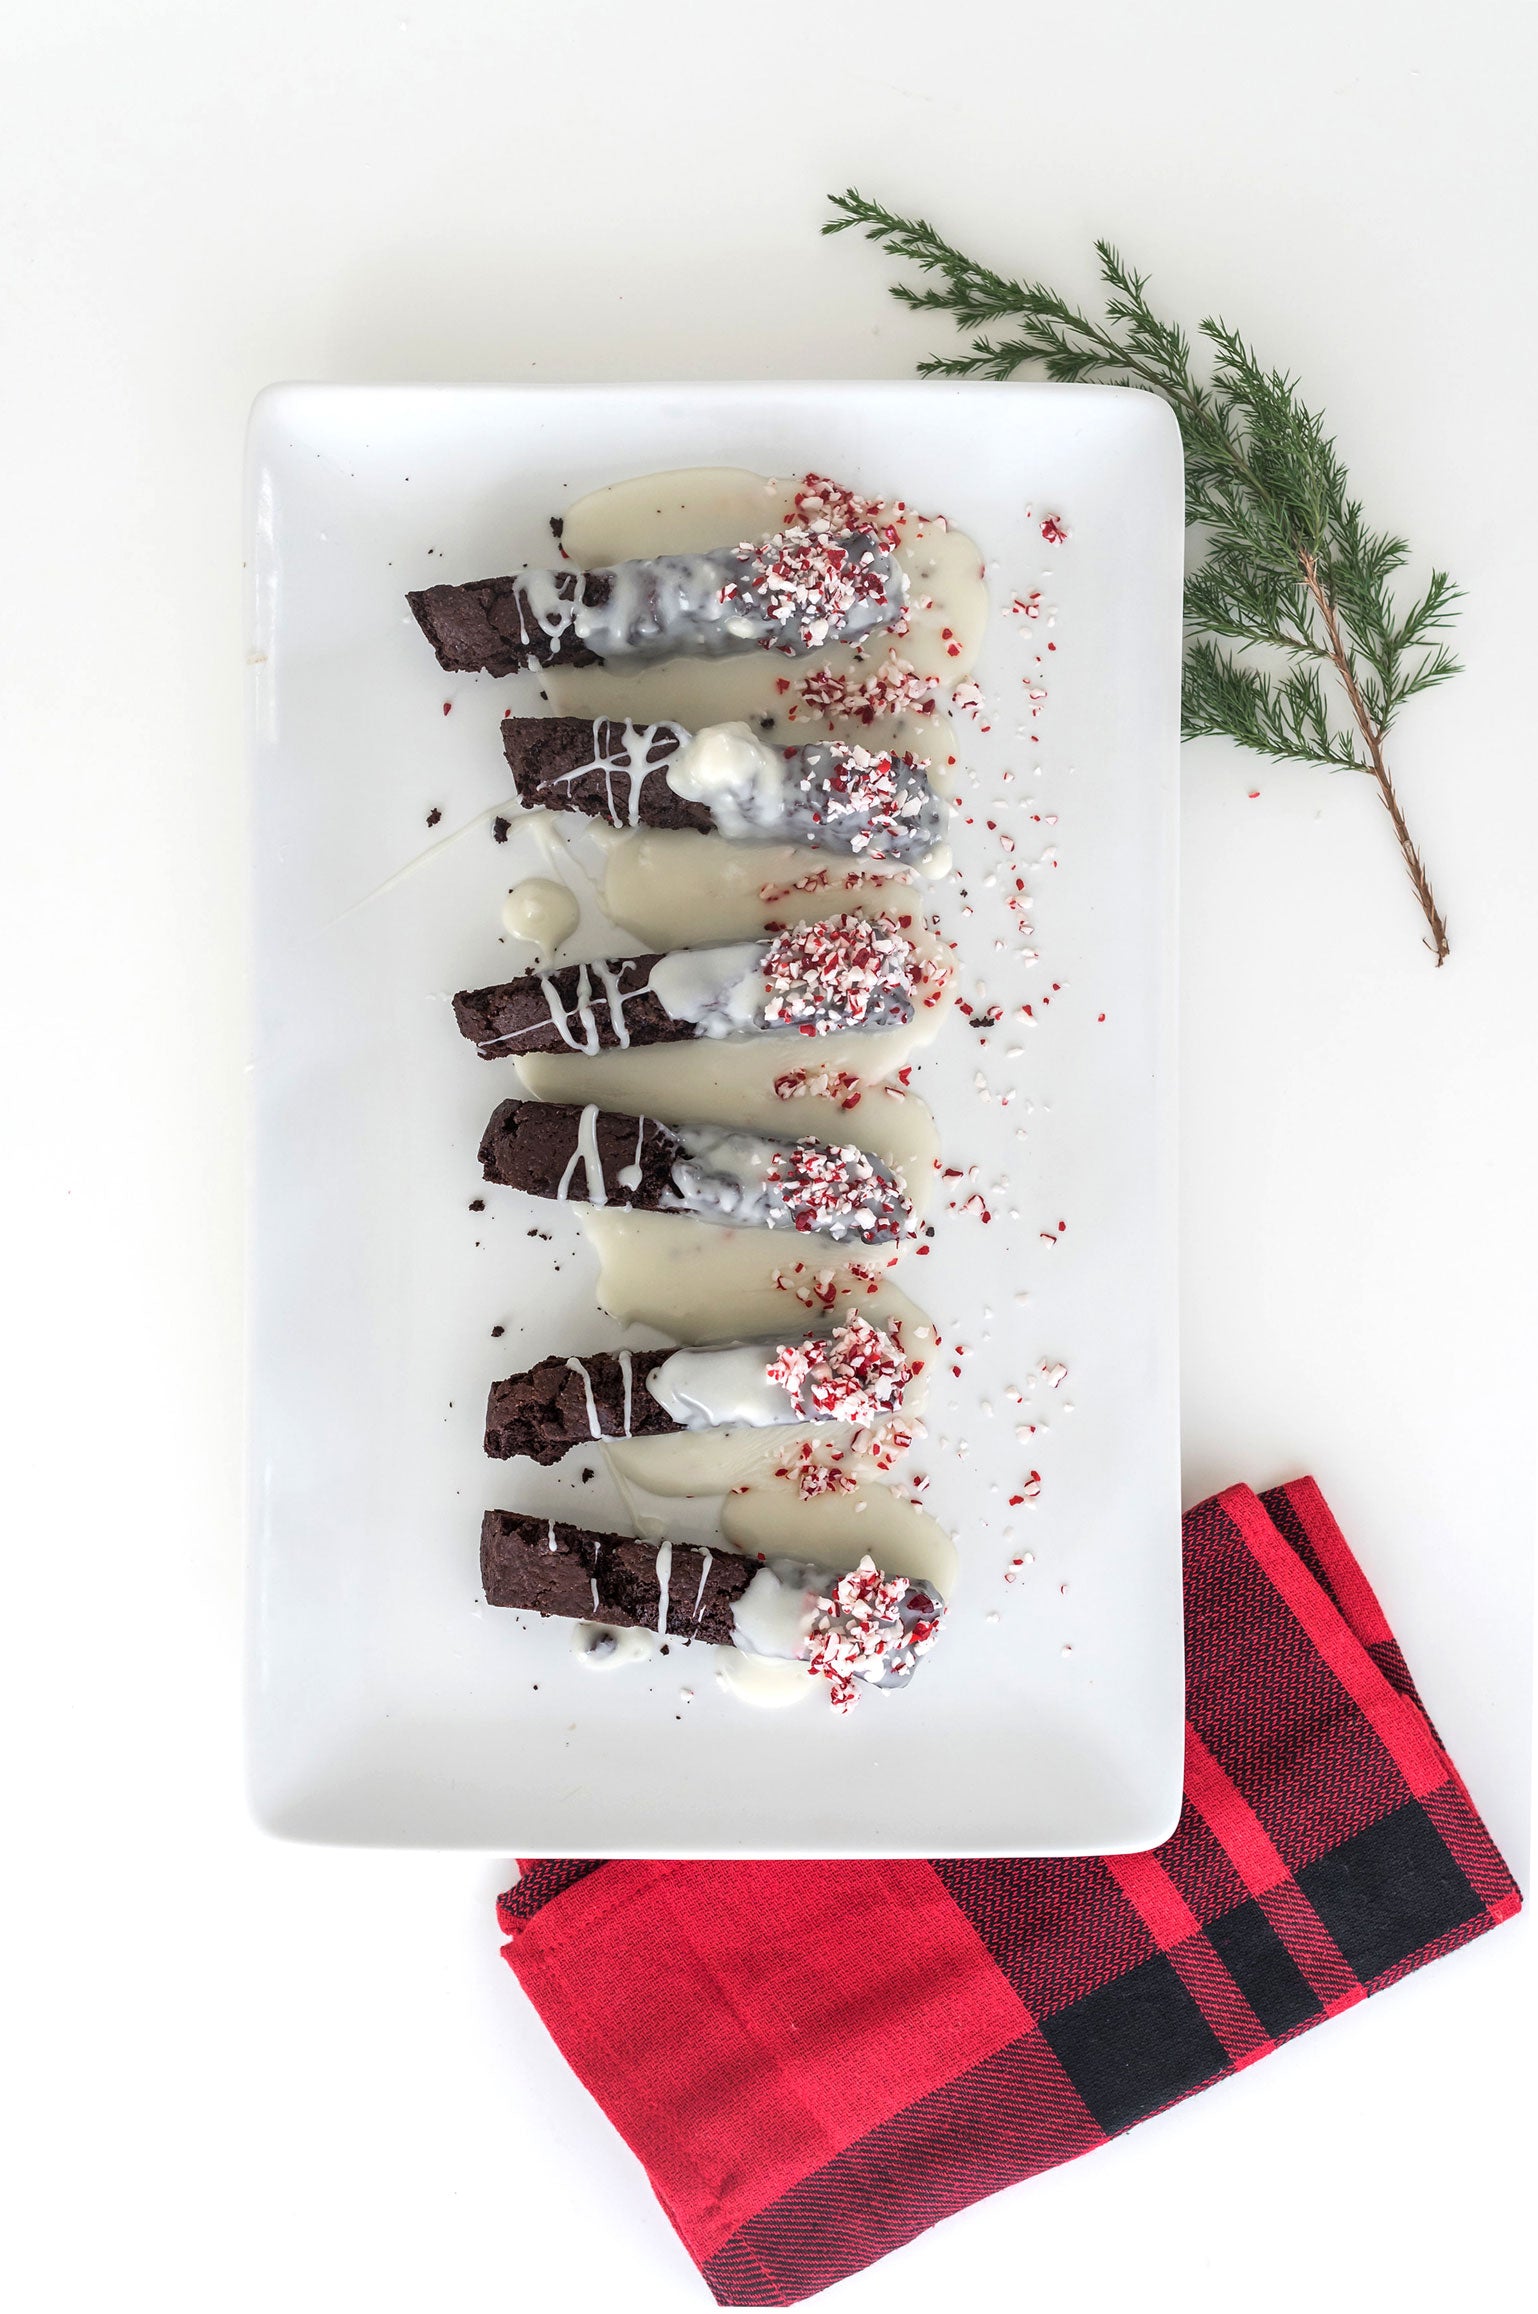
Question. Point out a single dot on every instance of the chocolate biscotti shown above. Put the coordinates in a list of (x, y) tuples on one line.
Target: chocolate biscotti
[(855, 1373), (855, 1630), (842, 972), (794, 593), (608, 769), (553, 1569), (593, 1156), (565, 1402), (832, 795)]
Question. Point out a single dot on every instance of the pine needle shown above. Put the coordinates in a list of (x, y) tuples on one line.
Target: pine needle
[(1298, 644)]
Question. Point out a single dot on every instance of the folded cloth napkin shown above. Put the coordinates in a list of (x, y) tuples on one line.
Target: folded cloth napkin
[(817, 2061)]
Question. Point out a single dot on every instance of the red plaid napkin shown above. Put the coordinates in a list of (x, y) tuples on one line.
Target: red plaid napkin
[(736, 2021)]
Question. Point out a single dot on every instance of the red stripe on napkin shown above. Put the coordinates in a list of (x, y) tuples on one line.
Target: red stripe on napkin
[(806, 2040), (817, 2061)]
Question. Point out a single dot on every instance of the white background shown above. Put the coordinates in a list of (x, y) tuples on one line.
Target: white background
[(254, 2075)]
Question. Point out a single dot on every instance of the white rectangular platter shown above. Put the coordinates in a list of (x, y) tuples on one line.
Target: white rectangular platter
[(388, 1703)]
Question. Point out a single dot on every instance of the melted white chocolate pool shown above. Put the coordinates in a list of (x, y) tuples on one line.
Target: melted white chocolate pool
[(732, 1081), (697, 1281)]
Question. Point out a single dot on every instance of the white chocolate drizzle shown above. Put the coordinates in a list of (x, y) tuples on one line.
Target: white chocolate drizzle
[(613, 996), (588, 1041), (594, 1428), (587, 1150), (630, 1176), (635, 743)]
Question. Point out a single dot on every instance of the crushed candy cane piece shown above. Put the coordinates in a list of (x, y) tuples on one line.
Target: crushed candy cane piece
[(855, 1374)]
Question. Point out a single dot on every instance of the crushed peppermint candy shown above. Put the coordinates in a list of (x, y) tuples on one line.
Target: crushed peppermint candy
[(882, 792), (821, 1289), (815, 1472), (821, 501), (896, 688), (822, 1083), (870, 1629), (839, 1189), (830, 880), (886, 1444), (806, 581), (855, 1374), (839, 972)]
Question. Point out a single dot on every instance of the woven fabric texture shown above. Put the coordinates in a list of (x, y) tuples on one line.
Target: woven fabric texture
[(816, 2061)]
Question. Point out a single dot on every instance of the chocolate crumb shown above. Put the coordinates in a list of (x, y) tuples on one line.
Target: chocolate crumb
[(497, 1331), (557, 526), (587, 1473), (477, 1205), (499, 828), (434, 816)]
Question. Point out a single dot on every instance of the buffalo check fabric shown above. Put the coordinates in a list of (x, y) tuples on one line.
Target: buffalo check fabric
[(817, 2061)]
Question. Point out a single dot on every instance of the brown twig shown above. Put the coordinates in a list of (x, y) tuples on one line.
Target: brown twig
[(1372, 740)]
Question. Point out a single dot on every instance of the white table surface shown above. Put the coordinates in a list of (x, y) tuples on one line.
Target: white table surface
[(259, 2075)]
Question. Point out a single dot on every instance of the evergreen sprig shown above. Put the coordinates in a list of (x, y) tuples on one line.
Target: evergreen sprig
[(1298, 646)]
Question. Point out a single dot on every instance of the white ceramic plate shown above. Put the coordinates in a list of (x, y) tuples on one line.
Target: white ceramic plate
[(388, 1704)]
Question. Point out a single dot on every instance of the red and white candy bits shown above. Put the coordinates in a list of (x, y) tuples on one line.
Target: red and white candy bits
[(874, 1627), (838, 973), (820, 500), (807, 582), (857, 1374), (820, 1184)]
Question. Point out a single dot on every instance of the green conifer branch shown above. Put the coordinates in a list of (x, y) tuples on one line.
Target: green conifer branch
[(1285, 563)]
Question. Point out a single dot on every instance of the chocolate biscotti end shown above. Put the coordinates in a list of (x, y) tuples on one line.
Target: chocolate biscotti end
[(564, 1402), (548, 1568), (608, 769), (593, 1156), (584, 1008), (496, 627)]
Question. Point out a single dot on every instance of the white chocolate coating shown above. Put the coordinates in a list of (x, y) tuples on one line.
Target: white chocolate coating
[(714, 1389), (741, 782), (774, 1616), (788, 594), (719, 990)]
